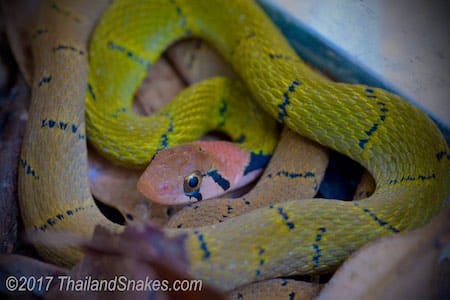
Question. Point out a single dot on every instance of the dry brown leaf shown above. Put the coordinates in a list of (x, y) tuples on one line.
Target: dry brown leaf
[(195, 61), (160, 86), (141, 253), (401, 266)]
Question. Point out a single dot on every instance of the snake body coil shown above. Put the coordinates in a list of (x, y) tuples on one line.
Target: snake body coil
[(397, 143)]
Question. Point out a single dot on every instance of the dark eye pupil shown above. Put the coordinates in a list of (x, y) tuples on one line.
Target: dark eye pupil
[(193, 181)]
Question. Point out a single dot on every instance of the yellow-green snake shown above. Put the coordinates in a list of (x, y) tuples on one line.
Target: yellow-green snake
[(396, 142)]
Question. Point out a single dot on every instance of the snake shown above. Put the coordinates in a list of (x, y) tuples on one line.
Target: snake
[(396, 142)]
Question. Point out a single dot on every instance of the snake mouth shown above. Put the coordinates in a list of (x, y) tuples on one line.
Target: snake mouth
[(194, 196)]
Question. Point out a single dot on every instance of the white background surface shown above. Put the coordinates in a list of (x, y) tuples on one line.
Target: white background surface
[(404, 42)]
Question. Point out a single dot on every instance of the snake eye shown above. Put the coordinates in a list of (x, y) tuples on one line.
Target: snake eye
[(192, 182)]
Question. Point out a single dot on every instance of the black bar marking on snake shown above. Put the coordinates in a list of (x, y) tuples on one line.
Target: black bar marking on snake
[(370, 93), (63, 126), (284, 215), (241, 139), (130, 54), (380, 222), (286, 100), (52, 221), (317, 255), (321, 231), (412, 178), (203, 245), (195, 194), (257, 161), (222, 110), (372, 129), (316, 258), (279, 56), (70, 48), (246, 201), (261, 260), (28, 169), (294, 175), (119, 111), (183, 19), (362, 143), (165, 136), (308, 174), (45, 80), (292, 296), (239, 296), (91, 92), (64, 12), (382, 117), (219, 179), (180, 14), (441, 154)]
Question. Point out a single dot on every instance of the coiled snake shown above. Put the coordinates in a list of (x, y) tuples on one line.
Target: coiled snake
[(396, 142)]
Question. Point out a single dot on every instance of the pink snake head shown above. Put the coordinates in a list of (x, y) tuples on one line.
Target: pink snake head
[(196, 171)]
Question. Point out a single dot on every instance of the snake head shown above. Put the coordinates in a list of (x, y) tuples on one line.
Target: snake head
[(196, 171), (175, 175)]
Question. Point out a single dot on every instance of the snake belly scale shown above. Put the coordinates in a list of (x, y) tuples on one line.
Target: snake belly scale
[(397, 143)]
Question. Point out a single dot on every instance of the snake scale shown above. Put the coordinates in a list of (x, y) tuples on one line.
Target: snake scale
[(396, 142)]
